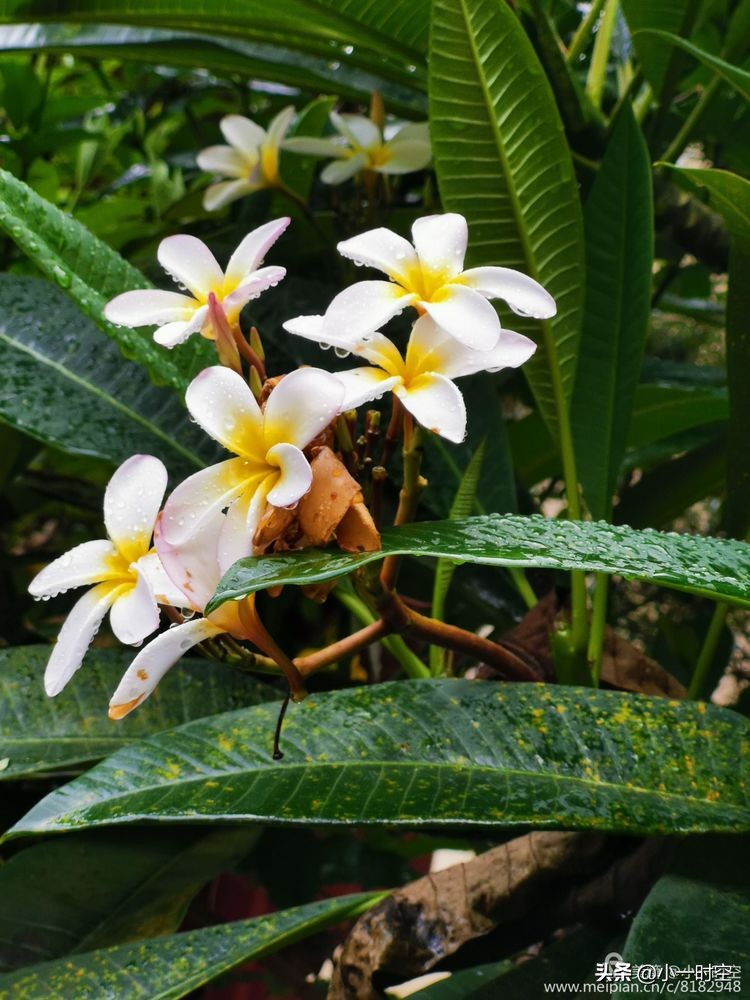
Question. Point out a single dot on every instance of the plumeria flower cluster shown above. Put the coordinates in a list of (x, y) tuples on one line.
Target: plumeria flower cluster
[(284, 485)]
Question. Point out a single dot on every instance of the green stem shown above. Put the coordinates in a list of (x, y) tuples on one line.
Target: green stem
[(411, 490), (600, 54), (683, 136), (578, 610), (581, 37), (523, 587), (598, 623), (708, 651)]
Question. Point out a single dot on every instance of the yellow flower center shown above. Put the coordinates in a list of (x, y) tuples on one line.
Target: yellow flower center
[(424, 282)]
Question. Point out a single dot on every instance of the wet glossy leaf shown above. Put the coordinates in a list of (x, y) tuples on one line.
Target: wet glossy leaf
[(40, 735), (91, 891), (430, 752), (736, 77), (94, 402), (170, 967), (618, 218), (91, 273), (713, 567), (502, 161)]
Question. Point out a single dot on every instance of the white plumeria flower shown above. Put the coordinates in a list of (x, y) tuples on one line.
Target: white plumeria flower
[(429, 276), (269, 467), (360, 145), (423, 378), (251, 160), (129, 581), (191, 264)]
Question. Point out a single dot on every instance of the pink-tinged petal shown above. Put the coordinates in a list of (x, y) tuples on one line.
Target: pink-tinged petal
[(295, 476), (135, 613), (240, 524), (360, 131), (523, 294), (300, 407), (254, 286), (405, 157), (435, 403), (222, 403), (172, 334), (364, 307), (383, 249), (279, 126), (361, 385), (191, 263), (223, 160), (153, 662), (466, 315), (440, 242), (164, 590), (315, 147), (199, 498), (83, 565), (149, 307), (242, 133), (132, 501), (77, 634), (193, 566), (249, 255), (217, 196), (340, 171)]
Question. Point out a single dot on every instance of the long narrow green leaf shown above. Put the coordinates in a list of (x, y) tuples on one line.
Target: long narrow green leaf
[(41, 735), (431, 752), (619, 228), (734, 76), (95, 890), (167, 968), (654, 57), (713, 567), (729, 195), (502, 161), (66, 385), (91, 273)]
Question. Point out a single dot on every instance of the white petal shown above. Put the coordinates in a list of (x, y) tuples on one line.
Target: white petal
[(265, 278), (193, 566), (360, 131), (512, 350), (364, 384), (364, 307), (132, 501), (191, 263), (436, 403), (177, 333), (432, 350), (216, 196), (440, 241), (202, 496), (249, 255), (222, 403), (315, 147), (149, 306), (383, 249), (77, 634), (223, 160), (523, 294), (342, 170), (153, 662), (413, 132), (164, 590), (135, 613), (240, 524), (83, 565), (466, 315), (375, 347), (279, 126), (296, 475), (406, 157), (242, 133), (300, 407)]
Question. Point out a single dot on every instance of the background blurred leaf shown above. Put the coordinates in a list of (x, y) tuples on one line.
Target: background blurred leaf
[(729, 195), (666, 16), (736, 77)]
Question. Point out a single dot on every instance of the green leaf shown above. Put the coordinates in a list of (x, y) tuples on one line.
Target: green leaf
[(643, 16), (170, 967), (736, 77), (431, 752), (662, 411), (619, 228), (729, 195), (41, 735), (699, 913), (91, 273), (65, 385), (95, 890), (502, 161), (298, 171), (712, 567)]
